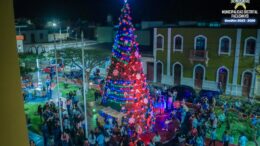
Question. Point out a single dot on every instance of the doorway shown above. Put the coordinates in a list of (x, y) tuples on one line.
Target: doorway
[(177, 74), (247, 80), (199, 76)]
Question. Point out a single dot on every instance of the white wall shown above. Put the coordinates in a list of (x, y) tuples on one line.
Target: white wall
[(58, 36)]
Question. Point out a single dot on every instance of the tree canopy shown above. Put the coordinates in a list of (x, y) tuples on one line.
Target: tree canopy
[(93, 57)]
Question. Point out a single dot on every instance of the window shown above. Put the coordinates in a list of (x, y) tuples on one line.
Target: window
[(224, 45), (200, 43), (178, 43), (160, 42), (32, 38), (41, 36), (250, 45)]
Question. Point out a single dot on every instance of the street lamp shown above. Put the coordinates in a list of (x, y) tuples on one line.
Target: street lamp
[(67, 35), (84, 86), (57, 78), (54, 24)]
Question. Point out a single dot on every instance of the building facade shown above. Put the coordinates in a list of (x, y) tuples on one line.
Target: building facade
[(19, 43), (207, 58), (35, 36)]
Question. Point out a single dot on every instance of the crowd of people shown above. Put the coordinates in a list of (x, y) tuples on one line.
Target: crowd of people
[(194, 122), (72, 129), (198, 119)]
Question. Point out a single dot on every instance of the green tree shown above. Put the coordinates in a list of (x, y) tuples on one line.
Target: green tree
[(93, 58)]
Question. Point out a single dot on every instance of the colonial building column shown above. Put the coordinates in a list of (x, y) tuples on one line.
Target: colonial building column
[(154, 54), (236, 64), (256, 83), (167, 79), (169, 53), (257, 52)]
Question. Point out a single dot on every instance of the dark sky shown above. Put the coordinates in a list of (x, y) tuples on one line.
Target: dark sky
[(97, 10)]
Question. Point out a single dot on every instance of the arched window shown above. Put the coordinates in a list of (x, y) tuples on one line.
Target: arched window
[(160, 41), (250, 45), (225, 45), (200, 43), (178, 43)]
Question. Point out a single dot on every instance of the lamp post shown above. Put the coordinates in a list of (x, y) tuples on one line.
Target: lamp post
[(84, 86), (57, 78), (60, 39)]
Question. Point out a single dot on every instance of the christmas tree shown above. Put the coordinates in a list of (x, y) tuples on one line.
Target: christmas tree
[(126, 86)]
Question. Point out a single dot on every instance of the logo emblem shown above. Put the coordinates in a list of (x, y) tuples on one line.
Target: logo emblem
[(240, 3)]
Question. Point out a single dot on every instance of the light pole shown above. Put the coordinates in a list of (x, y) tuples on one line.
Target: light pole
[(84, 86), (67, 36), (60, 39), (57, 78)]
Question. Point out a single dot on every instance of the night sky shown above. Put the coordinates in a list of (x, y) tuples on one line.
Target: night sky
[(97, 10)]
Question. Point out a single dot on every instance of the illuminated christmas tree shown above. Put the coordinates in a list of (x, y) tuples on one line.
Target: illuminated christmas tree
[(126, 86)]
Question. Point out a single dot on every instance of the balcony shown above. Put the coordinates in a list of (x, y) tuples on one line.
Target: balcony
[(199, 56)]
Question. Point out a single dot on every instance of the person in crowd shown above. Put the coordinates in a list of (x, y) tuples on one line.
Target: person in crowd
[(190, 140), (40, 111), (231, 139), (222, 118), (238, 105), (138, 129), (183, 113), (213, 137), (44, 130), (175, 93), (131, 143), (181, 139), (255, 121), (68, 105), (101, 139), (66, 123), (199, 141), (194, 122), (225, 139), (151, 143), (96, 94), (225, 107), (139, 142), (65, 139), (86, 142), (157, 138), (32, 143), (92, 138), (56, 134), (213, 102), (215, 123), (220, 87), (242, 141)]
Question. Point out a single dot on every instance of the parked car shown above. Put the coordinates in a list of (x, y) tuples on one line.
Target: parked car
[(209, 94), (74, 74), (184, 92), (49, 69)]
